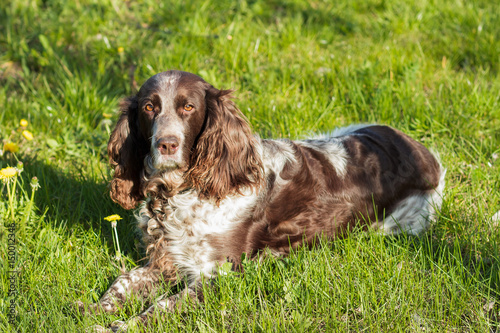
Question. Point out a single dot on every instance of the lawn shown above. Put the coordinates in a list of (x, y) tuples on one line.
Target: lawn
[(429, 68)]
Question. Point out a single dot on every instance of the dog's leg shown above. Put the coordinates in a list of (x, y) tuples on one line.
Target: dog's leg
[(164, 304), (140, 282)]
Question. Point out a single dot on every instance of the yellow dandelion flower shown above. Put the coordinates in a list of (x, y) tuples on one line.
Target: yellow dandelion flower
[(28, 135), (23, 123), (107, 115), (11, 146), (121, 49), (7, 173), (112, 218)]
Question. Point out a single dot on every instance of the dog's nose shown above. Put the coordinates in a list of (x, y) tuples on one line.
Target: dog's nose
[(168, 145)]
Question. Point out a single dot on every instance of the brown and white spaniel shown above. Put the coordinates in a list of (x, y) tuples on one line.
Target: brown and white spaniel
[(210, 191)]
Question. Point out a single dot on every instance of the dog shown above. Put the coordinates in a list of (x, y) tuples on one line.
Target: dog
[(209, 190)]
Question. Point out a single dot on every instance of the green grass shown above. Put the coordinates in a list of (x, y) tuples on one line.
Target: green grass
[(430, 69)]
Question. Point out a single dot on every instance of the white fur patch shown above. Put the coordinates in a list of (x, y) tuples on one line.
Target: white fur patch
[(275, 155), (333, 150), (190, 226)]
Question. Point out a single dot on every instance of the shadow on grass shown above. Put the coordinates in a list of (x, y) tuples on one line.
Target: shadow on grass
[(476, 265), (79, 202)]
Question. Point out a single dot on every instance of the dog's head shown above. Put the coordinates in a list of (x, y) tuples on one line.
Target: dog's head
[(179, 124)]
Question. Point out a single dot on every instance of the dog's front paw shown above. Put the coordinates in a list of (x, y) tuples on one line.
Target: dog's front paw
[(122, 326), (85, 309), (97, 329), (118, 326), (95, 308)]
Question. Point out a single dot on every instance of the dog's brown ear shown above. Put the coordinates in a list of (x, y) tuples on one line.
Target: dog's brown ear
[(126, 151), (225, 158)]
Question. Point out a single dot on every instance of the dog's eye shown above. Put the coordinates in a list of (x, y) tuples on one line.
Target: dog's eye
[(188, 107), (149, 107)]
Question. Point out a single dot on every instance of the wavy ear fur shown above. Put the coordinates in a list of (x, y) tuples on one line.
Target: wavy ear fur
[(126, 150), (225, 157)]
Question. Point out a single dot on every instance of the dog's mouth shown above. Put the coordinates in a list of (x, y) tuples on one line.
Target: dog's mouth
[(166, 163), (160, 163)]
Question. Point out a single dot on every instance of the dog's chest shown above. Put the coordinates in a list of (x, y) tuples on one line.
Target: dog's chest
[(194, 230)]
